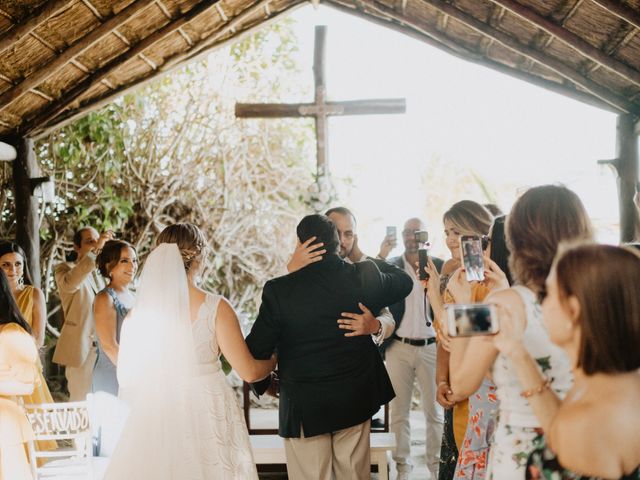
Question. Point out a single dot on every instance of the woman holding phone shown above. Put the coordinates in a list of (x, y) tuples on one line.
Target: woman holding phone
[(539, 220), (463, 218), (592, 311)]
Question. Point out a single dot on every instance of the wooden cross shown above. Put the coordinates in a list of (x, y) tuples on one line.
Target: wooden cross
[(321, 109)]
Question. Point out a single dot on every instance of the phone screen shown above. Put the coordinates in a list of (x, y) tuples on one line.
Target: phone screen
[(471, 246), (391, 231), (469, 320)]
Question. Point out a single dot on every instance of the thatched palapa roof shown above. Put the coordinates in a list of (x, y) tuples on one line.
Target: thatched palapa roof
[(60, 58)]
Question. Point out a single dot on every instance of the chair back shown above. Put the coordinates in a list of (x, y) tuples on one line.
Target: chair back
[(67, 424)]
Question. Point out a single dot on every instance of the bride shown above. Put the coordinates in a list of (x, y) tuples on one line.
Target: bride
[(184, 420)]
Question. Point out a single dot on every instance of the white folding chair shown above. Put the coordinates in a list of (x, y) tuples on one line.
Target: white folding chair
[(68, 424)]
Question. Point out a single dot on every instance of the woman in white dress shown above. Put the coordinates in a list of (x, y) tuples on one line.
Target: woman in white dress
[(184, 421)]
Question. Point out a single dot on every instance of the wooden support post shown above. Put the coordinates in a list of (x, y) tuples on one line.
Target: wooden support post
[(27, 220), (627, 167)]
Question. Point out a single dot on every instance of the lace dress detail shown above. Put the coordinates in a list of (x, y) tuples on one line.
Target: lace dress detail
[(212, 443), (225, 449)]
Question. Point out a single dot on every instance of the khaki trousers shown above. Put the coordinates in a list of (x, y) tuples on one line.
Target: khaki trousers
[(341, 455), (79, 378), (405, 364)]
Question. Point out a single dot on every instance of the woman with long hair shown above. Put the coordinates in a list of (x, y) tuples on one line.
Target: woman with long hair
[(483, 404), (185, 421), (18, 374), (465, 217), (30, 301), (539, 221)]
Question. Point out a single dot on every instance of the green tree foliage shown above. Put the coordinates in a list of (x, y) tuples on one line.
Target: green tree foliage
[(174, 152)]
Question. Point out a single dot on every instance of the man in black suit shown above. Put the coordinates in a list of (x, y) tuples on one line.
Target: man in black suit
[(330, 385), (410, 354)]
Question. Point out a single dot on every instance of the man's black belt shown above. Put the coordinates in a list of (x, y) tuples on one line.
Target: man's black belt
[(415, 342)]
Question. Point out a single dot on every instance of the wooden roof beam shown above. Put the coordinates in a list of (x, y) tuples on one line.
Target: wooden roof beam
[(48, 120), (550, 62), (30, 23), (211, 40), (621, 11), (55, 64), (571, 12), (572, 40), (433, 37), (67, 98)]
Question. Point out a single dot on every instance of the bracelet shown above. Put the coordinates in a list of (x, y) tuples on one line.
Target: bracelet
[(535, 391), (379, 332)]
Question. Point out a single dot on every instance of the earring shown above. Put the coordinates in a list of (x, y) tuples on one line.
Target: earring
[(21, 282)]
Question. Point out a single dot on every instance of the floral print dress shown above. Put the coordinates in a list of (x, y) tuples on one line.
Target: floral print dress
[(518, 427), (543, 465), (483, 415)]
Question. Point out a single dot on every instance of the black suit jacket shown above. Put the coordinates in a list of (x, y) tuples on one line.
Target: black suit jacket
[(397, 309), (327, 381)]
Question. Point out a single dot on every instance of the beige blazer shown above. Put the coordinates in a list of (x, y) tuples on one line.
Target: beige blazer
[(77, 287)]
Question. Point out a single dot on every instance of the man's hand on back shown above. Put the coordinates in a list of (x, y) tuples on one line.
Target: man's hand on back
[(359, 323)]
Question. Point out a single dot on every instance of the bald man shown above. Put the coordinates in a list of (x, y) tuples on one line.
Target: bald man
[(410, 355)]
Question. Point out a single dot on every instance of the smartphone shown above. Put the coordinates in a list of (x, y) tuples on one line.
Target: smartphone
[(392, 232), (469, 320), (471, 253), (422, 263)]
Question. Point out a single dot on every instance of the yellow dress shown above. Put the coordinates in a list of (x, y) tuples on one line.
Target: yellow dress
[(461, 409), (41, 393), (18, 362)]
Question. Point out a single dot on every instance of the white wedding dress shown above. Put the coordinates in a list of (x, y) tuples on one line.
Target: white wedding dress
[(185, 422)]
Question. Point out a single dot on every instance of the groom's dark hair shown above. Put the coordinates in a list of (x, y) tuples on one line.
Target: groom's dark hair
[(320, 227)]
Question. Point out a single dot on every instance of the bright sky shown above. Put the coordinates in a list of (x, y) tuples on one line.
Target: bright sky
[(509, 132)]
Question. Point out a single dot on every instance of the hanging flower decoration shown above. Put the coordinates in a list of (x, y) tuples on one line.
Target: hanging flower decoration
[(321, 194)]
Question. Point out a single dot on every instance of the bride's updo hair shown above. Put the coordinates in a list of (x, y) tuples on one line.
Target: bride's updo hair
[(189, 239)]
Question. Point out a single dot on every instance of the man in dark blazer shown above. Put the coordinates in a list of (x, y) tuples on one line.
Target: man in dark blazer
[(410, 354), (330, 385)]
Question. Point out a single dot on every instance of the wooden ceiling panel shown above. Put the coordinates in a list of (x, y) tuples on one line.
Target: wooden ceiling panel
[(613, 82), (18, 10), (27, 106), (630, 53), (74, 91), (144, 24), (96, 91), (565, 54), (4, 85), (108, 8), (70, 25), (8, 118), (129, 71), (518, 28), (506, 56), (166, 48), (63, 80), (546, 8), (210, 21), (24, 58), (480, 9), (466, 36), (102, 52), (589, 24)]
